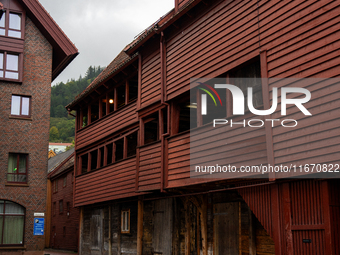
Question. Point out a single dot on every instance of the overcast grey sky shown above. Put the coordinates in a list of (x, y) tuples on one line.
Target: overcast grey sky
[(101, 29)]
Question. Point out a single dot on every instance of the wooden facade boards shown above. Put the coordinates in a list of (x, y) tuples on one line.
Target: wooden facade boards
[(290, 39)]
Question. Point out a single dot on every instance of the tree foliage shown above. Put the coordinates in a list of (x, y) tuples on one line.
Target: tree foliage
[(61, 95)]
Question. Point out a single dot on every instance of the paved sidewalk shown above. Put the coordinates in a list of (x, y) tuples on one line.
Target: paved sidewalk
[(59, 252)]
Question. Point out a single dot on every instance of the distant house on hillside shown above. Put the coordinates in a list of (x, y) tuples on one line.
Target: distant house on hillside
[(33, 52), (58, 147)]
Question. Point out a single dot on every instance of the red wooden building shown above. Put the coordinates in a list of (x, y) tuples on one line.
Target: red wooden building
[(133, 133), (33, 52), (63, 218)]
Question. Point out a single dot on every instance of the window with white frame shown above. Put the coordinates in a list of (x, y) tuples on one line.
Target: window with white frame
[(125, 221), (20, 106)]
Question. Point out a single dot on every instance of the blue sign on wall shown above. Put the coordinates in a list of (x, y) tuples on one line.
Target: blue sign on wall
[(38, 228)]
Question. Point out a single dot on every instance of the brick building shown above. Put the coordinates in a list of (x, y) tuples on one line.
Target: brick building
[(33, 51), (63, 218)]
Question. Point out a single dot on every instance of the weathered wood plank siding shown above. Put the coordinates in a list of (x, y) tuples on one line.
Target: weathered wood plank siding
[(111, 182), (149, 177), (246, 146), (107, 125), (151, 78)]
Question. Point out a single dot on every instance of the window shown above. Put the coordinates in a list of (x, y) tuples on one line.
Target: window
[(9, 65), (61, 207), (12, 218), (109, 101), (151, 129), (65, 181), (54, 208), (186, 109), (55, 186), (14, 26), (20, 106), (125, 221), (17, 167), (119, 153), (68, 208), (84, 163)]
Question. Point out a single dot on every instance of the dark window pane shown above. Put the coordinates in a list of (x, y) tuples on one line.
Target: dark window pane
[(132, 144), (84, 121), (151, 130), (121, 96), (101, 156), (94, 112), (109, 148), (84, 163), (119, 149), (94, 158)]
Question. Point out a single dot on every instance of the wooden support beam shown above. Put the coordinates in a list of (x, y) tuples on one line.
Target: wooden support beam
[(119, 234), (204, 227), (140, 226), (252, 233), (139, 81), (187, 228), (287, 218), (276, 217), (327, 217)]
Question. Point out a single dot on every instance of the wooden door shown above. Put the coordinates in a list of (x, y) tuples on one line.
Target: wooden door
[(162, 227), (226, 228)]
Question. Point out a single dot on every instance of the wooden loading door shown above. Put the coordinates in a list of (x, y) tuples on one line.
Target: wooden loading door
[(226, 228), (162, 227)]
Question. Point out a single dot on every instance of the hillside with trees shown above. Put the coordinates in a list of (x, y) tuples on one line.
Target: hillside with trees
[(62, 124)]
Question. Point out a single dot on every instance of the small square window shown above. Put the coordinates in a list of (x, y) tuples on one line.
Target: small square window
[(20, 106), (125, 221), (55, 186), (61, 206), (17, 167), (65, 181)]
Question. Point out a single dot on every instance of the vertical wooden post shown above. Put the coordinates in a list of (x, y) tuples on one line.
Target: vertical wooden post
[(100, 107), (204, 227), (107, 104), (266, 101), (89, 114), (139, 81), (81, 219), (252, 234), (110, 237), (126, 92), (140, 226), (287, 218), (327, 217), (276, 217), (187, 227), (115, 99), (119, 232), (48, 213)]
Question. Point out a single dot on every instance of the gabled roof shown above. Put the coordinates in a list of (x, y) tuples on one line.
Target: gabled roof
[(120, 61), (64, 50), (58, 160)]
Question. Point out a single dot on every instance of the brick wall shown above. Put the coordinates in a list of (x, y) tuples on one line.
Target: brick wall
[(28, 136), (69, 219)]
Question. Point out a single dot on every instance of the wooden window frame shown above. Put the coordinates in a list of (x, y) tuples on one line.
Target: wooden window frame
[(7, 12), (124, 83), (4, 215), (20, 106), (125, 214), (55, 186), (23, 174), (20, 66), (61, 208), (65, 181), (98, 147)]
